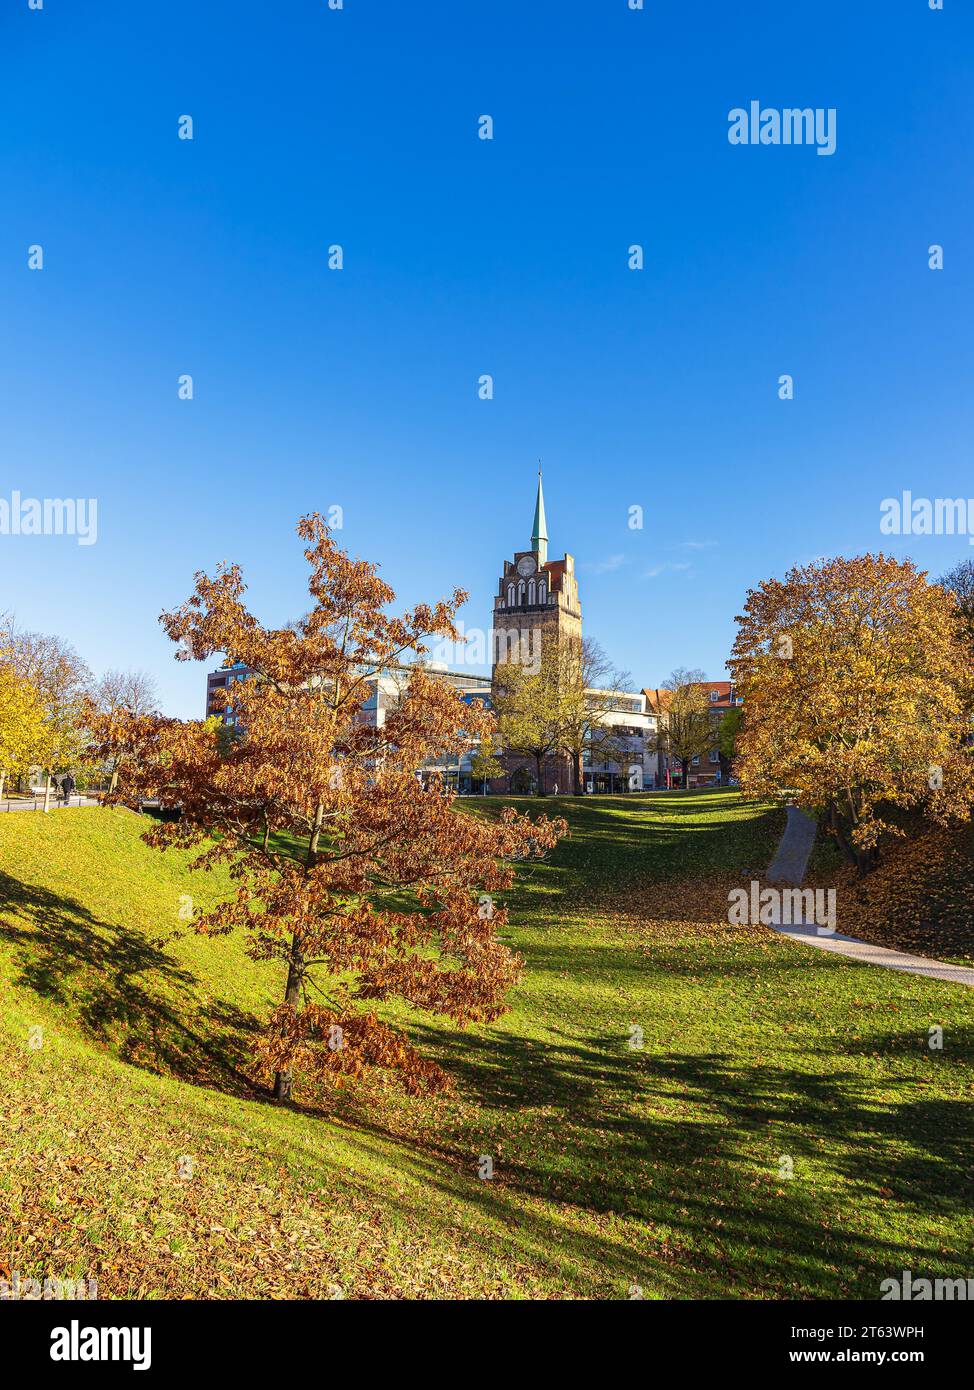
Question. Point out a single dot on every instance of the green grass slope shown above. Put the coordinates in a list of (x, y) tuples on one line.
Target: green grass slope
[(136, 1150)]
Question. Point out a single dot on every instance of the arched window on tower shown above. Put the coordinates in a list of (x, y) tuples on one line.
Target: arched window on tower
[(520, 594), (532, 593), (542, 592), (510, 595)]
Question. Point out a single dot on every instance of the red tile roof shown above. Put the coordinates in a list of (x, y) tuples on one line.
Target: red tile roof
[(657, 701)]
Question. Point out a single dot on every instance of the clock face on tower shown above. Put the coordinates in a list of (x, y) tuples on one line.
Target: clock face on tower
[(525, 565)]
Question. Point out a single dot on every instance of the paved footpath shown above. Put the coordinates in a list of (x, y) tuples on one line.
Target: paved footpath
[(793, 853), (789, 865), (38, 804)]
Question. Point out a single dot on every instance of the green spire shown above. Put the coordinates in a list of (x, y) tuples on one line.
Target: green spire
[(539, 536)]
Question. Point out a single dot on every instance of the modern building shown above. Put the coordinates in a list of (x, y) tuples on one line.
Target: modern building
[(385, 691), (224, 679), (634, 725), (381, 694)]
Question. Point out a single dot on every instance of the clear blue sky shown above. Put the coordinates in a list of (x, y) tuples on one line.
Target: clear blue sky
[(463, 257)]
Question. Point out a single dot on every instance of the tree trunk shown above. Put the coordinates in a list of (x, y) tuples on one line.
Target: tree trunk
[(577, 774), (866, 860), (283, 1080), (3, 778), (540, 762), (861, 860)]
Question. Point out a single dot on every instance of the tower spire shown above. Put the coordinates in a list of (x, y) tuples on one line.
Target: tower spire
[(539, 535)]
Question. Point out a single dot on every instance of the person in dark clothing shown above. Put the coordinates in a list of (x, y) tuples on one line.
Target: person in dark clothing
[(67, 787)]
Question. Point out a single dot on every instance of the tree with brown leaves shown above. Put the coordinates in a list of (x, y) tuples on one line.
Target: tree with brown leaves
[(858, 697), (363, 888)]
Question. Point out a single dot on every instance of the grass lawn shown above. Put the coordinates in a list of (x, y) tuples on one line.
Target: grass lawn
[(136, 1151)]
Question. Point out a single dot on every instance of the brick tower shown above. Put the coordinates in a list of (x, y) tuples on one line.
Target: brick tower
[(536, 614)]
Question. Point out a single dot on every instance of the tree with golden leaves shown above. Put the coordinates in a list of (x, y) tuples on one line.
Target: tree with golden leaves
[(858, 697), (62, 682), (484, 762), (363, 888), (526, 703), (25, 735)]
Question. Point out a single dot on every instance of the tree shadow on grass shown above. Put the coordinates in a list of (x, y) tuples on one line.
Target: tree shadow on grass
[(691, 1145), (123, 990), (957, 1043), (652, 843)]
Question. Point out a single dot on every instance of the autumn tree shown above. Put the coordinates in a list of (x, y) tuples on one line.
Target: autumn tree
[(484, 762), (685, 729), (24, 732), (124, 698), (359, 885), (63, 683), (728, 729), (858, 697), (134, 691), (960, 582)]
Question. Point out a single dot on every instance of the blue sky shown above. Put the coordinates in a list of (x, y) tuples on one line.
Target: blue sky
[(358, 387)]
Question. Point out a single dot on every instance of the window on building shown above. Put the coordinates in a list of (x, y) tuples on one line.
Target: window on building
[(715, 755), (695, 760)]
